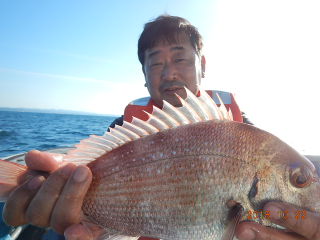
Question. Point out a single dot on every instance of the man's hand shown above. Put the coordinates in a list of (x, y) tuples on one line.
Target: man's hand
[(302, 228), (55, 202)]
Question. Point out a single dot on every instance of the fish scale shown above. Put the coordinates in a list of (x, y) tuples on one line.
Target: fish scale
[(172, 176), (189, 181)]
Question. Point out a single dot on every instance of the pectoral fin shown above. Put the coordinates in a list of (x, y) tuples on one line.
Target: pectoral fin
[(235, 215)]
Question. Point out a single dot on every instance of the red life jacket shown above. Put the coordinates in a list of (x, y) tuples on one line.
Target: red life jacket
[(136, 107)]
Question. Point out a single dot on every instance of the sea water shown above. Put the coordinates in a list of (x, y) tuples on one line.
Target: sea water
[(24, 131)]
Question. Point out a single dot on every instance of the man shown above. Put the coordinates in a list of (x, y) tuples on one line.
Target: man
[(169, 62)]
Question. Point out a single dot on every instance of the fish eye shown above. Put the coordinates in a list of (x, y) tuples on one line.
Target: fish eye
[(300, 176)]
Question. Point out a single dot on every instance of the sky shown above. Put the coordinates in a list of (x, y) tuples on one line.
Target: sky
[(82, 56)]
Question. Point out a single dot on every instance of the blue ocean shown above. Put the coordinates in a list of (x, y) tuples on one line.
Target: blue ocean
[(24, 131)]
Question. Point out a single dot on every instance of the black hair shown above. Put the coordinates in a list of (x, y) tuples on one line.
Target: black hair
[(167, 28)]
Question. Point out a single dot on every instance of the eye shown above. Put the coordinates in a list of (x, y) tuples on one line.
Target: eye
[(300, 176), (180, 60), (155, 64)]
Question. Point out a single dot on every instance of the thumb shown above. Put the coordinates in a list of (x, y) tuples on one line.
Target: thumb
[(43, 161)]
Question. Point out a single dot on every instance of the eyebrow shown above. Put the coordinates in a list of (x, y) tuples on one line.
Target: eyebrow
[(175, 48)]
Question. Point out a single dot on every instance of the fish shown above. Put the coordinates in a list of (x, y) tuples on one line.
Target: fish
[(186, 173)]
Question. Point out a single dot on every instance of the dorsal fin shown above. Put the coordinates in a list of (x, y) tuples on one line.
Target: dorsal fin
[(156, 122), (230, 115), (175, 113), (188, 111), (144, 125), (119, 135), (166, 118), (135, 129), (194, 109), (194, 102), (223, 110), (209, 104)]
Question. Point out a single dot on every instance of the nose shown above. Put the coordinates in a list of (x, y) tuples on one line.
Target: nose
[(169, 72)]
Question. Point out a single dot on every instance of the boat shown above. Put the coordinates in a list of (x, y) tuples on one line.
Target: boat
[(28, 231)]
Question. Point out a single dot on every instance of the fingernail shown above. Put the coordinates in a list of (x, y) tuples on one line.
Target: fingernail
[(80, 174), (67, 170), (36, 182), (246, 234), (274, 212)]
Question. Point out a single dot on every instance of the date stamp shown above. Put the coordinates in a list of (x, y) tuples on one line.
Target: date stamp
[(284, 215)]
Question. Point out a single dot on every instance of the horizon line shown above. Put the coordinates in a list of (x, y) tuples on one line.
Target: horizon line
[(63, 77)]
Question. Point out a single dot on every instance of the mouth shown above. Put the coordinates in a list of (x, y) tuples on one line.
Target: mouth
[(171, 89)]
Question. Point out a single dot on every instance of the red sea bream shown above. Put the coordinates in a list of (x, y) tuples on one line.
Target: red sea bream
[(188, 173)]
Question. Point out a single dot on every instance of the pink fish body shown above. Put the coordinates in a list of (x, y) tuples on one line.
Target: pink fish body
[(185, 175)]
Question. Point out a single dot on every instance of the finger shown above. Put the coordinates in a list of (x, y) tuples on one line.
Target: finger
[(41, 207), (71, 200), (77, 232), (303, 222), (14, 211), (43, 161), (251, 230)]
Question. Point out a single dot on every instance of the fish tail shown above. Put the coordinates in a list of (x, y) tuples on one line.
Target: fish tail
[(10, 174)]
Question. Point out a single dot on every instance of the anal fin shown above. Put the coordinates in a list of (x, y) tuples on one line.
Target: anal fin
[(119, 237), (99, 233)]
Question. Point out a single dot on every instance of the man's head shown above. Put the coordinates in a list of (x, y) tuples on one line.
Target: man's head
[(170, 51)]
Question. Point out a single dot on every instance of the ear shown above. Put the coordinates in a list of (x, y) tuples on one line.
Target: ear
[(203, 66), (143, 72), (145, 84)]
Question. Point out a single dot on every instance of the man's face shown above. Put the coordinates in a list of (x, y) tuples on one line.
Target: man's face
[(169, 68)]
